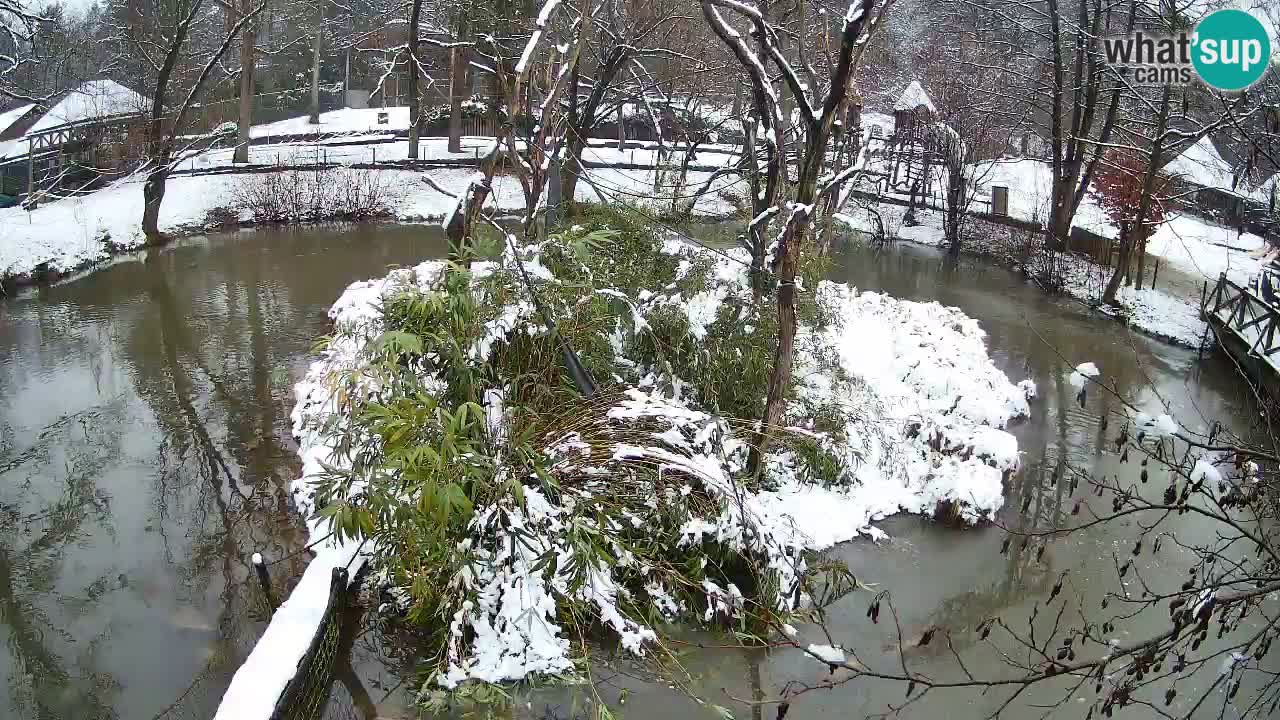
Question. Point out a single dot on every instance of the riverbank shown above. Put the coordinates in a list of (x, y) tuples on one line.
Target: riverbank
[(899, 400), (313, 182), (1191, 251)]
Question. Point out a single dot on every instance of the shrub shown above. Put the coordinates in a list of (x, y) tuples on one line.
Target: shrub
[(312, 195)]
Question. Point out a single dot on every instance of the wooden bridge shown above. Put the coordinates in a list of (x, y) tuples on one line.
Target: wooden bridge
[(1246, 327)]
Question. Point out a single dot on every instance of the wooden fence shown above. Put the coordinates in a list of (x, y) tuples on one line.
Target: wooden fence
[(1245, 317)]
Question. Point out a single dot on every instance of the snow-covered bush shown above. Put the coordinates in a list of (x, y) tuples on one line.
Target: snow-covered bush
[(311, 195), (515, 516)]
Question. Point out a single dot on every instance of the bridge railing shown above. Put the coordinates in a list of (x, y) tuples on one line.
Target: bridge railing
[(1243, 312)]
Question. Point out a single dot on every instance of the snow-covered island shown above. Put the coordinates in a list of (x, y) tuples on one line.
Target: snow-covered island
[(897, 408)]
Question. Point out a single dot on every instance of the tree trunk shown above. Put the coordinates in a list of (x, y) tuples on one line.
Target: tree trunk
[(415, 103), (1060, 212), (574, 145), (461, 222), (1117, 274), (247, 66), (583, 116), (1130, 243), (1139, 228), (955, 209), (152, 197), (622, 128), (456, 75), (794, 236), (314, 119), (160, 139)]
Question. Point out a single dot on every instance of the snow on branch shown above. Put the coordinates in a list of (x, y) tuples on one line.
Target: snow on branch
[(544, 17), (769, 37), (762, 88)]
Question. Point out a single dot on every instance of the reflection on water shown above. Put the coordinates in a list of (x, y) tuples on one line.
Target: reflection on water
[(145, 455)]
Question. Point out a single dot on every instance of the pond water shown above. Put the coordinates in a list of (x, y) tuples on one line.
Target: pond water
[(145, 454)]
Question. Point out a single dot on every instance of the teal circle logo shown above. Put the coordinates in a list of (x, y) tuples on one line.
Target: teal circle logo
[(1231, 49)]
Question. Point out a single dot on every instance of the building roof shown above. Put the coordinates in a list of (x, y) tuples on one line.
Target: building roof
[(1201, 164), (914, 97), (9, 117), (92, 100)]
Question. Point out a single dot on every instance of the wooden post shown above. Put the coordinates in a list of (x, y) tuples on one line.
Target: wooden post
[(265, 580), (622, 127), (553, 194), (31, 174)]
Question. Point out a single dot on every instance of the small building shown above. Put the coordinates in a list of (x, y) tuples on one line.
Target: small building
[(1207, 184), (913, 111), (12, 186), (1231, 194), (1202, 170), (80, 136)]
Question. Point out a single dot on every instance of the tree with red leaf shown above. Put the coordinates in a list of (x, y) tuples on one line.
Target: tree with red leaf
[(1122, 183)]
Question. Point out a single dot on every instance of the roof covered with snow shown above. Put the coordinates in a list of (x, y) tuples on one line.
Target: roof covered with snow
[(1201, 164), (9, 117), (914, 97), (92, 100)]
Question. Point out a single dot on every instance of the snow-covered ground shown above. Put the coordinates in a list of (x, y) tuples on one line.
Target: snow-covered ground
[(346, 121), (1195, 246), (342, 151), (75, 232), (1173, 314), (1205, 250), (1198, 250)]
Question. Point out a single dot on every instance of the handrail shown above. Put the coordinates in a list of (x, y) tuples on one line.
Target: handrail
[(1245, 311)]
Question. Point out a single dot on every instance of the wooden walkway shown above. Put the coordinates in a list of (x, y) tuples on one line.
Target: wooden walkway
[(1246, 328)]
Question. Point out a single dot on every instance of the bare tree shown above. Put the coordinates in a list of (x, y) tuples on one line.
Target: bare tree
[(544, 138), (624, 37), (165, 122), (966, 77), (1077, 96), (19, 36), (1070, 92), (817, 119), (248, 63)]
